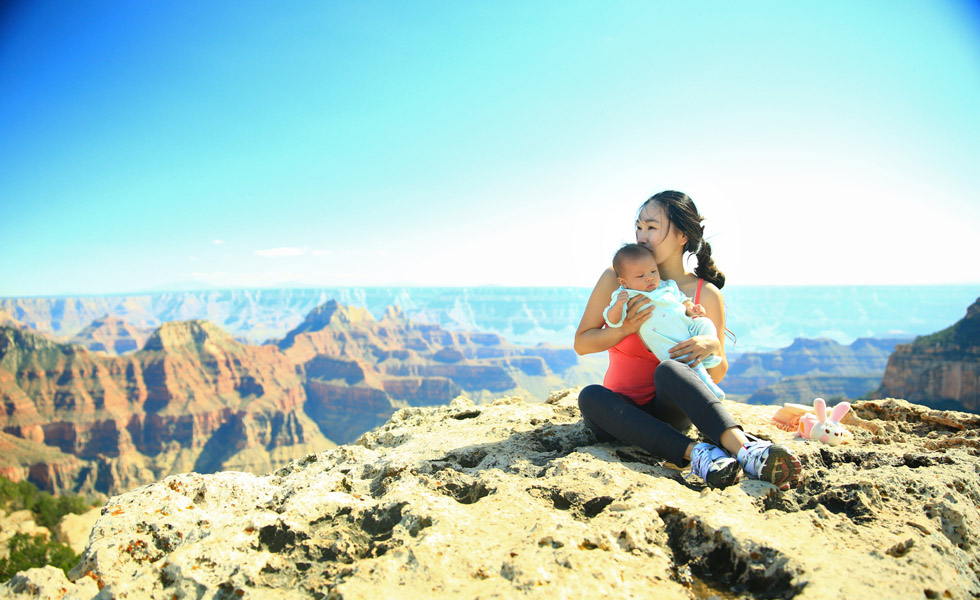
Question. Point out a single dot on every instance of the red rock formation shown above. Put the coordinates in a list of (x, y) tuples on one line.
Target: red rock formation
[(343, 412), (941, 370), (133, 419), (467, 376), (111, 335), (326, 368), (22, 459), (397, 347), (421, 391), (558, 359), (934, 378), (529, 365), (194, 398)]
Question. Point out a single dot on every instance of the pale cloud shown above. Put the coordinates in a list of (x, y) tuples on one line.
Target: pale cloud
[(217, 242), (365, 252), (322, 252), (192, 258), (281, 252)]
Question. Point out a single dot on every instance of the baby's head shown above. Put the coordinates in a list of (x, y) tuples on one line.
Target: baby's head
[(636, 269)]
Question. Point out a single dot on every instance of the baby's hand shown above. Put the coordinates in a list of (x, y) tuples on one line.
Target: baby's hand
[(622, 297), (696, 310)]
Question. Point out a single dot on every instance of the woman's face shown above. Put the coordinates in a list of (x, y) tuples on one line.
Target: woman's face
[(655, 231)]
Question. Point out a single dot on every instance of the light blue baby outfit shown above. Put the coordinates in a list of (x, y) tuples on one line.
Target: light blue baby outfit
[(669, 325)]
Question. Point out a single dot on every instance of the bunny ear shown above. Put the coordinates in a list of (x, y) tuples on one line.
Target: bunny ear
[(839, 411), (820, 405)]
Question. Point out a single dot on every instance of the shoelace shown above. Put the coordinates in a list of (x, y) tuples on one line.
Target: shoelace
[(754, 450), (700, 463)]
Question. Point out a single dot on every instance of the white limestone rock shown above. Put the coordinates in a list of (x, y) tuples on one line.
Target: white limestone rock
[(74, 530), (518, 500), (48, 583)]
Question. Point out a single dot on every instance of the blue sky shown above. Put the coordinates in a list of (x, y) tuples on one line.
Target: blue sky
[(180, 145)]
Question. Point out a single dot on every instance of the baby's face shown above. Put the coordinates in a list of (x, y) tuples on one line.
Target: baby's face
[(640, 274)]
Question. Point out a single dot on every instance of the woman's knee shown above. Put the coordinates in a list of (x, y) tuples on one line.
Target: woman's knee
[(587, 406), (590, 397), (667, 372)]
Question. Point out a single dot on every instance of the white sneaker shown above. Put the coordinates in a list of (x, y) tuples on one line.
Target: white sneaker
[(770, 462), (715, 466)]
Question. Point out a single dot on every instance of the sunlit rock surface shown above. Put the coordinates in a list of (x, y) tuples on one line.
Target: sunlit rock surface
[(513, 499)]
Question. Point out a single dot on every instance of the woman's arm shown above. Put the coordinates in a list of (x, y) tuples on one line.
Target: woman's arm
[(590, 336), (696, 349)]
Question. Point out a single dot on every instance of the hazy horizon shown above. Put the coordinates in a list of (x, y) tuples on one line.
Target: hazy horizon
[(286, 287), (760, 316)]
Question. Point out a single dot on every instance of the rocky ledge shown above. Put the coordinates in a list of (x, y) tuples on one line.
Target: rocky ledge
[(512, 499)]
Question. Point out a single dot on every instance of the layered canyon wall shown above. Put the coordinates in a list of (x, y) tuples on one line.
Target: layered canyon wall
[(195, 399), (941, 370)]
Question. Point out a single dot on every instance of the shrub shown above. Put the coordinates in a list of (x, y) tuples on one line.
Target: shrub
[(47, 509), (27, 552)]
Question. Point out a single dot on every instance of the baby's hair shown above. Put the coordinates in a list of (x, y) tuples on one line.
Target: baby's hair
[(629, 252)]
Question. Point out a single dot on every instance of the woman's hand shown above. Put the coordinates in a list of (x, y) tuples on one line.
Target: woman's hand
[(637, 313), (692, 351)]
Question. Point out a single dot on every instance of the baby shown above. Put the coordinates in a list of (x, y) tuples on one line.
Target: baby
[(675, 318)]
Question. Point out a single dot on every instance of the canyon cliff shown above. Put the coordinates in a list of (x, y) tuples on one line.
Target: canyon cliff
[(111, 335), (195, 399), (192, 399), (807, 357), (809, 368), (358, 369), (7, 319), (941, 370), (512, 499)]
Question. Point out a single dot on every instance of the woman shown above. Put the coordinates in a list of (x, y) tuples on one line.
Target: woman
[(648, 403)]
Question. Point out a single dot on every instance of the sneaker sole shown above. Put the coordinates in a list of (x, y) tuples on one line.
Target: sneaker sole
[(782, 468), (725, 477)]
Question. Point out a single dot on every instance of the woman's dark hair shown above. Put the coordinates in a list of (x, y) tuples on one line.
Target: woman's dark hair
[(683, 214)]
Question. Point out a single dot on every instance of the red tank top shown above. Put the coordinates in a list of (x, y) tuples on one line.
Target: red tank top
[(631, 366), (630, 370)]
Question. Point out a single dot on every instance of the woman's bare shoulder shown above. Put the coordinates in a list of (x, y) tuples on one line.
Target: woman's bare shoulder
[(607, 280), (711, 293), (604, 288), (710, 288)]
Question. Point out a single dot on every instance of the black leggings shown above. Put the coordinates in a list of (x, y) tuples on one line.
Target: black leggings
[(681, 399)]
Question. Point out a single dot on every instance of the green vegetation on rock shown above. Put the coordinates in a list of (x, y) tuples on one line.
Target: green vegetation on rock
[(28, 552), (959, 336), (47, 509)]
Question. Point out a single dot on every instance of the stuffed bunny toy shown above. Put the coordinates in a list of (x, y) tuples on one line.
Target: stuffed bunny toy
[(819, 427)]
